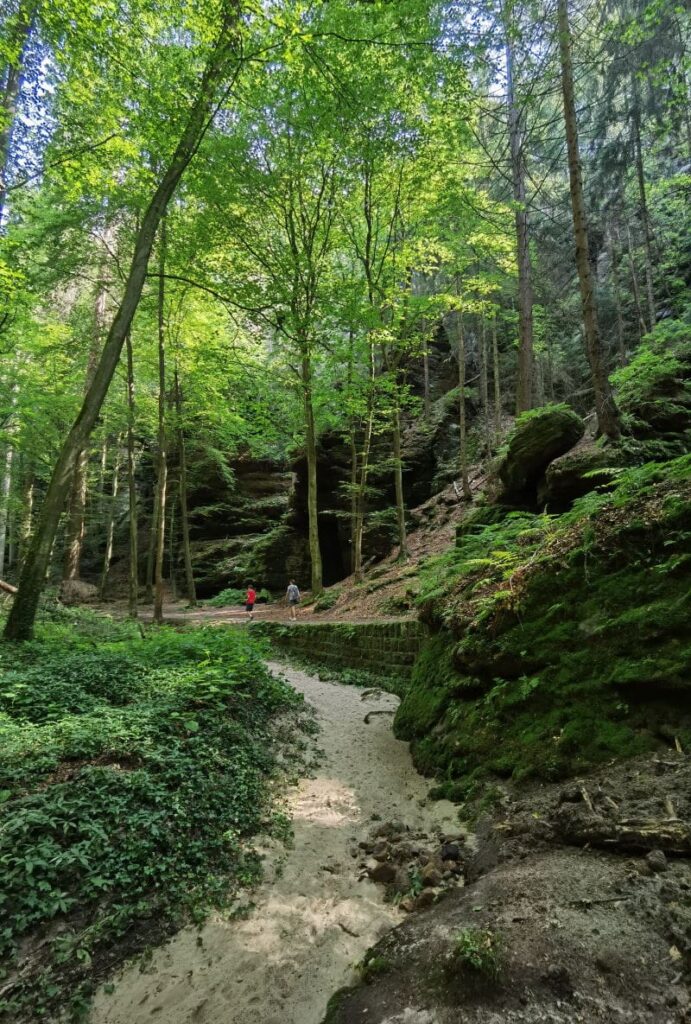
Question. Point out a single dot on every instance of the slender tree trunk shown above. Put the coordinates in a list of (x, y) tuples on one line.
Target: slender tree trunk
[(496, 380), (75, 529), (20, 622), (311, 453), (403, 552), (20, 37), (484, 386), (151, 551), (133, 594), (427, 398), (616, 291), (643, 201), (5, 488), (184, 510), (171, 550), (363, 475), (463, 443), (605, 406), (162, 473), (524, 380), (635, 287), (110, 518)]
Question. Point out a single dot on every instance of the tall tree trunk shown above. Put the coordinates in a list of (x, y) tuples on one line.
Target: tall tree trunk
[(5, 487), (616, 291), (496, 380), (151, 551), (20, 622), (184, 510), (362, 475), (427, 398), (484, 385), (110, 518), (635, 287), (605, 406), (524, 380), (19, 39), (133, 588), (311, 453), (162, 472), (462, 443), (75, 529), (403, 552), (643, 201), (171, 550)]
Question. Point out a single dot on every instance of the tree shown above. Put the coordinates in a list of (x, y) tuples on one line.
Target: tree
[(607, 412), (222, 59)]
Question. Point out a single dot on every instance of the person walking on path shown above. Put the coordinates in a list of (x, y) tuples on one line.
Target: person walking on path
[(250, 600), (293, 595)]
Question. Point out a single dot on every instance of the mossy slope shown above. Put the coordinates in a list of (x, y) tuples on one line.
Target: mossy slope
[(561, 641)]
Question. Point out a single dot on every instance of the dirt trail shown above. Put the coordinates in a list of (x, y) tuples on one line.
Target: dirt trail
[(313, 921)]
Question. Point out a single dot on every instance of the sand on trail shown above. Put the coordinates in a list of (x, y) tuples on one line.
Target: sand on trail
[(315, 919)]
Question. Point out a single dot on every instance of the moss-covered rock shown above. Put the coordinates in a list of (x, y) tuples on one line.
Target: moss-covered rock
[(585, 468), (538, 437), (561, 641)]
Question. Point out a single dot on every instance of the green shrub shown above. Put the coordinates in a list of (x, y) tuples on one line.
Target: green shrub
[(480, 950), (132, 778)]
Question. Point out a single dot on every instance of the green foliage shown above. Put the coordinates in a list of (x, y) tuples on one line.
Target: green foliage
[(234, 596), (654, 390), (133, 774), (563, 641), (372, 966), (479, 949), (327, 599)]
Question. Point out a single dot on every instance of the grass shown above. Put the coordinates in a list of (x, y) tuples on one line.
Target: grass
[(133, 774)]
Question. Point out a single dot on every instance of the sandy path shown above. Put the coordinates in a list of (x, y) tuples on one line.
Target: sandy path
[(314, 921)]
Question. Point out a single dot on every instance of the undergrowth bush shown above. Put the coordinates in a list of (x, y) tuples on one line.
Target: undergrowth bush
[(133, 774)]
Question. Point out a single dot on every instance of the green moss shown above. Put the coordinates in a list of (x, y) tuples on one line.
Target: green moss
[(564, 640), (430, 690)]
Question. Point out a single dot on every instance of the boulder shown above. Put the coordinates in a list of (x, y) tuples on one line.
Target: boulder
[(538, 438), (574, 474), (75, 592)]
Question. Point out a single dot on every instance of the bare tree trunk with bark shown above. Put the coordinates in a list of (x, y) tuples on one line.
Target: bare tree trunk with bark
[(110, 518), (524, 380), (496, 380), (462, 441), (133, 580), (162, 468), (403, 552), (605, 406), (643, 201), (311, 454), (184, 510)]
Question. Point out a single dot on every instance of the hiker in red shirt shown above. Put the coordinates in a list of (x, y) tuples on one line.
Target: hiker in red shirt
[(249, 601)]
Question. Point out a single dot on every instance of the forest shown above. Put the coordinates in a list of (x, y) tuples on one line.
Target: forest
[(392, 299)]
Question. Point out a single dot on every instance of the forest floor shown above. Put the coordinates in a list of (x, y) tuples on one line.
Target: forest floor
[(538, 925), (317, 911)]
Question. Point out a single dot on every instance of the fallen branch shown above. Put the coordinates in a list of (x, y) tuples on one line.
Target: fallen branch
[(7, 587), (635, 834)]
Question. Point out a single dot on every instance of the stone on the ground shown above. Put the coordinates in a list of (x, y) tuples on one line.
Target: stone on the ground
[(656, 861), (75, 592), (383, 872), (431, 876), (538, 438), (576, 473)]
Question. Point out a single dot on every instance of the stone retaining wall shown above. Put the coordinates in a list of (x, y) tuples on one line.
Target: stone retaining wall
[(383, 648)]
